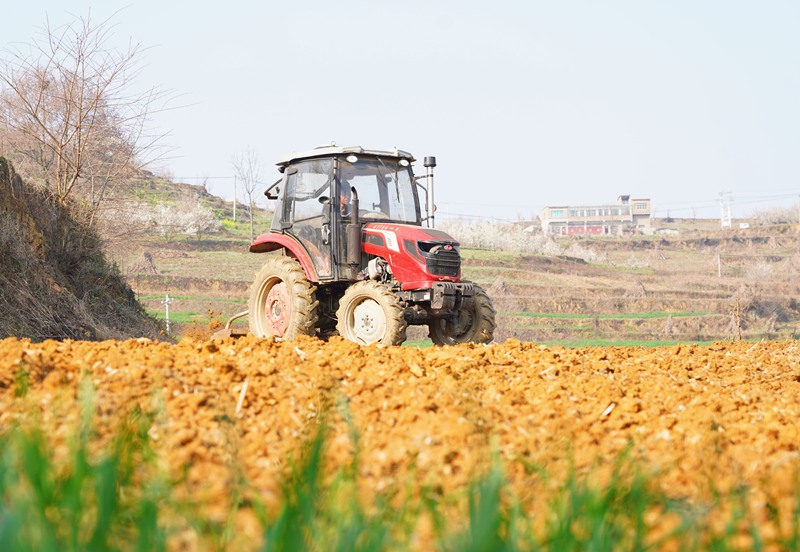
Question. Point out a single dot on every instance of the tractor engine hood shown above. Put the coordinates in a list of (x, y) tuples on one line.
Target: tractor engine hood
[(418, 256)]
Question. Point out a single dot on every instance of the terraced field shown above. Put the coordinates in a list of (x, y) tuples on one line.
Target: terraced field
[(699, 287)]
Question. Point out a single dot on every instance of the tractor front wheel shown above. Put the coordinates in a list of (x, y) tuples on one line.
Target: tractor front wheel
[(370, 313), (474, 324), (282, 301)]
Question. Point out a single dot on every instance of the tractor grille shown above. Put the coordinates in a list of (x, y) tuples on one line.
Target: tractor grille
[(444, 262)]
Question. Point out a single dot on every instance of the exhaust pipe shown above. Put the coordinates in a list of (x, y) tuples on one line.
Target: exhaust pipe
[(430, 163), (354, 238)]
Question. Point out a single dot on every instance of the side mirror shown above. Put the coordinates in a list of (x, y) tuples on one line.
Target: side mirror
[(274, 191)]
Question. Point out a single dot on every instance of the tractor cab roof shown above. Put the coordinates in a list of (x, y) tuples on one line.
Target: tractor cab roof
[(333, 150)]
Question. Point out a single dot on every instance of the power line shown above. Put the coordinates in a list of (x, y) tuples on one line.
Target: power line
[(453, 216), (199, 177)]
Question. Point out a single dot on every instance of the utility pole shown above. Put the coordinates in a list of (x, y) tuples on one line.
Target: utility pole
[(166, 302), (725, 206), (234, 198)]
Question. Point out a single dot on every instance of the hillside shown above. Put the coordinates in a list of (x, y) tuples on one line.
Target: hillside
[(55, 281)]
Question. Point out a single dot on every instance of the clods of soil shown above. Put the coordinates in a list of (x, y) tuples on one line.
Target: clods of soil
[(699, 419)]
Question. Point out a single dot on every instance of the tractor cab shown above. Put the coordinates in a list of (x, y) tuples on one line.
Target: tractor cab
[(325, 190)]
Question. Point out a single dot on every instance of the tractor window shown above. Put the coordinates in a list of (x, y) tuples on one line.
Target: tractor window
[(288, 204), (313, 181), (401, 197), (368, 195), (302, 208), (385, 190)]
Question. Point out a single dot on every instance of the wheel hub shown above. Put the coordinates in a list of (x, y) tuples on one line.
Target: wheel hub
[(369, 322), (462, 323), (278, 309)]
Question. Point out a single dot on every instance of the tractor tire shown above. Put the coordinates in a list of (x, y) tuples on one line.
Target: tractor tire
[(282, 301), (475, 324), (370, 313)]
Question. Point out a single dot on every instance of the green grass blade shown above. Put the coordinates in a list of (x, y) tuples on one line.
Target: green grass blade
[(149, 537), (105, 475), (288, 533)]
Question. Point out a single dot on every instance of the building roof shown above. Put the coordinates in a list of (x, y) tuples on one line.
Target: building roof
[(595, 205)]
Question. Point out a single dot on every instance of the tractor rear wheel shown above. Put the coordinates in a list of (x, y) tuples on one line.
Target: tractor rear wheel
[(282, 301), (474, 324), (370, 313)]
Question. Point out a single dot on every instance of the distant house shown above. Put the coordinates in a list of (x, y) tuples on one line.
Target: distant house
[(625, 216)]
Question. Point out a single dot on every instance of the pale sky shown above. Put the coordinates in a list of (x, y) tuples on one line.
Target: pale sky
[(525, 104)]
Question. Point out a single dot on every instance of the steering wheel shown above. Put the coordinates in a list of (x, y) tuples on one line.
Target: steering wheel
[(372, 214)]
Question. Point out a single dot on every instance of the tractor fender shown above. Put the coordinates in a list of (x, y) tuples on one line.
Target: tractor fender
[(273, 241)]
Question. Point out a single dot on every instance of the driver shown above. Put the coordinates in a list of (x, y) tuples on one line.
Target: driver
[(345, 195)]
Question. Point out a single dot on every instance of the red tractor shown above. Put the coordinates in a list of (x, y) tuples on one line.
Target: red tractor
[(356, 259)]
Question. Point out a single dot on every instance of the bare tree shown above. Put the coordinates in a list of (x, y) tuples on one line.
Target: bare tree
[(70, 113), (248, 169)]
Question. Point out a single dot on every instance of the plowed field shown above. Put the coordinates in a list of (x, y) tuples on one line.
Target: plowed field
[(700, 419)]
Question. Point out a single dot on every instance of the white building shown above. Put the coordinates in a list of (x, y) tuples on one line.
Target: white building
[(623, 217)]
